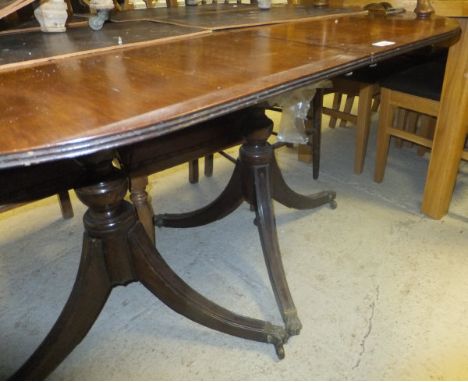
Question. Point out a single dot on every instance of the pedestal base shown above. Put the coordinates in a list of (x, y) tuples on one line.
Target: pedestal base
[(117, 251), (257, 180)]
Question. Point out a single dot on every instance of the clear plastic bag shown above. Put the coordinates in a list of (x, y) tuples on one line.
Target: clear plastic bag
[(295, 108)]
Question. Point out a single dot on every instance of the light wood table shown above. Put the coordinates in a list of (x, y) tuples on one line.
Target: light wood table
[(452, 125), (451, 131)]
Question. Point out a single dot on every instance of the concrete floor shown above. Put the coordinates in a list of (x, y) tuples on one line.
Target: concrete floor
[(381, 290)]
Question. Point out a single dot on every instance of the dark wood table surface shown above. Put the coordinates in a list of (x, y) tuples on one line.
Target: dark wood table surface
[(157, 104), (228, 16), (79, 105)]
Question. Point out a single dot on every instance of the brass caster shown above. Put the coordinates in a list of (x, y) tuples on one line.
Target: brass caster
[(278, 338), (332, 202), (279, 348)]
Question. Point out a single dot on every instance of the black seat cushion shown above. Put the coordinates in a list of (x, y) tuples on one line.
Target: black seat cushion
[(380, 71), (424, 80)]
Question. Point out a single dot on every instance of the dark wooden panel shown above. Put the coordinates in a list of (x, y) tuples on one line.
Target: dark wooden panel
[(226, 16), (30, 48)]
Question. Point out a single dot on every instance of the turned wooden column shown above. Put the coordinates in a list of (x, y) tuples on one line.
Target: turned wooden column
[(423, 9), (51, 15), (142, 203)]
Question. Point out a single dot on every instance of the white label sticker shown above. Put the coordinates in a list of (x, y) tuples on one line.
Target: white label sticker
[(383, 43)]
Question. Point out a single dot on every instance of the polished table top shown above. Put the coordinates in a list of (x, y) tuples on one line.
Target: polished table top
[(228, 16), (79, 105)]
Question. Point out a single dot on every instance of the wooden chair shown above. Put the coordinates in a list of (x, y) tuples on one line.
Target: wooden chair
[(416, 89), (364, 84), (64, 202), (367, 92)]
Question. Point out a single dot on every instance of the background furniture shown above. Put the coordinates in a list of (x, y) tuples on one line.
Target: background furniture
[(453, 113), (66, 207), (417, 89), (364, 84), (313, 129), (451, 128), (367, 91)]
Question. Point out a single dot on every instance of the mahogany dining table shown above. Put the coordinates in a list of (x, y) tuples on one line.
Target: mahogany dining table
[(90, 119)]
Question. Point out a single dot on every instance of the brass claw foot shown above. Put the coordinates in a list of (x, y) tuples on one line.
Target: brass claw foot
[(278, 340), (332, 202), (280, 351)]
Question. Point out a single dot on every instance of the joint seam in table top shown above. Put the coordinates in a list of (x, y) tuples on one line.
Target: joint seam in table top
[(52, 58)]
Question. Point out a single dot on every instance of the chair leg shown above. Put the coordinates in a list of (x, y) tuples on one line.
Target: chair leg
[(310, 152), (193, 171), (383, 138), (400, 120), (363, 122), (65, 204), (304, 153), (347, 109), (376, 104), (316, 106), (209, 165), (336, 106), (411, 125), (426, 130)]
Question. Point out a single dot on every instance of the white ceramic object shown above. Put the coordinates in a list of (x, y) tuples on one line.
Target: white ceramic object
[(52, 15), (101, 8), (139, 4), (100, 5), (264, 4)]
